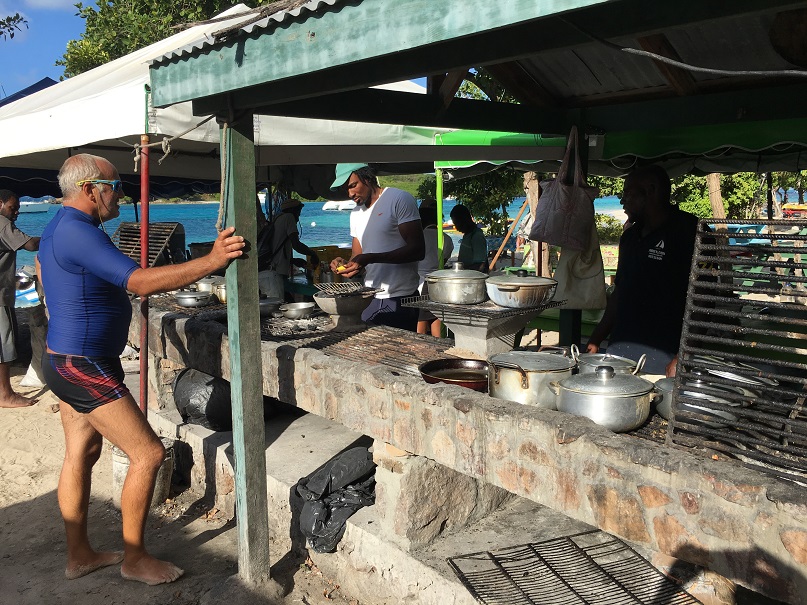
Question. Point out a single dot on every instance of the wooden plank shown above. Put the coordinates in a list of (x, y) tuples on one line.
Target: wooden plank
[(243, 319)]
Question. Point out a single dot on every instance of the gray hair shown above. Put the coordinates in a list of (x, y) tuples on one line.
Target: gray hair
[(78, 168)]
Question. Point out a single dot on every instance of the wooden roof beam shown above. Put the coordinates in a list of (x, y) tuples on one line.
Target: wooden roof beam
[(679, 79), (446, 86)]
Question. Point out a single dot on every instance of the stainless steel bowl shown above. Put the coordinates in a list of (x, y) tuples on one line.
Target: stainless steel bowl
[(298, 310), (269, 306)]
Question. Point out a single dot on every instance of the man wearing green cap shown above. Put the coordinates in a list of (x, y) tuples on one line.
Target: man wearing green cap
[(387, 244)]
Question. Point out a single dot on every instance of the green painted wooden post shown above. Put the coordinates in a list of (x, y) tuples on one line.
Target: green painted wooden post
[(243, 319)]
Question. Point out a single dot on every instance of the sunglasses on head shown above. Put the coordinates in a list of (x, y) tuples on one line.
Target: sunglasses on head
[(117, 186)]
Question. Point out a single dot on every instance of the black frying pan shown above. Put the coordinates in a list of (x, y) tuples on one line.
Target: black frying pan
[(468, 373)]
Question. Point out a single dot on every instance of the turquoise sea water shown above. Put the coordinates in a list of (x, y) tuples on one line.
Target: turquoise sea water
[(317, 227)]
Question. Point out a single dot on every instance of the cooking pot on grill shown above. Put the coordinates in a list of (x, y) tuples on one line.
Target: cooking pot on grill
[(207, 284), (588, 362), (188, 298), (620, 402), (457, 286), (469, 373), (520, 290), (524, 376), (697, 390)]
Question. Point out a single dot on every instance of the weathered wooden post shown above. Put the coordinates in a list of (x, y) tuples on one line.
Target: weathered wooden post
[(243, 319)]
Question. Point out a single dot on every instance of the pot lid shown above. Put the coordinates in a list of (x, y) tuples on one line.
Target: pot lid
[(532, 361), (457, 272), (191, 295), (604, 359), (520, 280), (665, 384), (604, 381)]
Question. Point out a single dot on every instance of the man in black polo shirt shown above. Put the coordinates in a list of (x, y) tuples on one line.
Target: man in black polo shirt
[(645, 312)]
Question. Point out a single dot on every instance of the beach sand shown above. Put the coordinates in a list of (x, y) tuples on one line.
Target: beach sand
[(183, 530)]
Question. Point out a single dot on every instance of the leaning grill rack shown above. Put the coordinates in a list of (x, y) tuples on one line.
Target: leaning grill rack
[(745, 326)]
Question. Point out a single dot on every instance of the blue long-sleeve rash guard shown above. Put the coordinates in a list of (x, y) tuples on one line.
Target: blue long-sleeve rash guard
[(84, 277)]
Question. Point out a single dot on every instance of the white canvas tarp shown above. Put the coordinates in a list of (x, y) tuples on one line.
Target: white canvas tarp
[(103, 111)]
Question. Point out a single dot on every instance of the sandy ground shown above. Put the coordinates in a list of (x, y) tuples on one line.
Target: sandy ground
[(184, 530)]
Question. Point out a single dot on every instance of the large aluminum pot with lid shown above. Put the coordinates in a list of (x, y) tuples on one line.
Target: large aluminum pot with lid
[(524, 376), (620, 402), (587, 363), (520, 290), (457, 286)]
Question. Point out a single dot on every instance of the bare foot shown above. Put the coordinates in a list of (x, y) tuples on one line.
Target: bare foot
[(99, 560), (151, 571), (17, 401)]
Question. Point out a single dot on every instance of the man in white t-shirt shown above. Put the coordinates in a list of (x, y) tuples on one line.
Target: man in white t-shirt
[(387, 244)]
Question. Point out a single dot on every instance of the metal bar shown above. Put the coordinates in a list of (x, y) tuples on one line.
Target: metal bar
[(144, 263)]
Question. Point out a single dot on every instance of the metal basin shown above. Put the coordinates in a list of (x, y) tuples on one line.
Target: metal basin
[(298, 310)]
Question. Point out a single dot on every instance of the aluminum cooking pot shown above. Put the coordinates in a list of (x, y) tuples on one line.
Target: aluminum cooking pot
[(207, 284), (187, 298), (520, 290), (457, 286), (588, 362), (524, 376), (620, 402), (698, 389)]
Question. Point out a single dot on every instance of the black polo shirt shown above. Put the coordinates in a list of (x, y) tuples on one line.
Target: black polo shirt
[(651, 280)]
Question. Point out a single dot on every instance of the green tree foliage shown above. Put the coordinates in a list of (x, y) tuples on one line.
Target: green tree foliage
[(609, 228), (488, 195), (743, 194), (115, 28), (11, 24)]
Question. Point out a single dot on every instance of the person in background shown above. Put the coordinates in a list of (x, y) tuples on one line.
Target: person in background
[(11, 240), (85, 279), (275, 252), (427, 322), (645, 311), (473, 252), (387, 245)]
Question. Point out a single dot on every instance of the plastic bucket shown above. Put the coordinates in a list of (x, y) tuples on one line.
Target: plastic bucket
[(162, 486)]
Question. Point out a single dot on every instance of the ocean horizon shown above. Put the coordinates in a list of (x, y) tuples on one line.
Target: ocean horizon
[(317, 227)]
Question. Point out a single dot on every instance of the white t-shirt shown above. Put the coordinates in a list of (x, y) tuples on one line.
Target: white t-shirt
[(429, 262), (376, 228)]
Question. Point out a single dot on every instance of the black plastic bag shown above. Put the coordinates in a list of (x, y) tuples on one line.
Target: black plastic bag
[(203, 399), (332, 494)]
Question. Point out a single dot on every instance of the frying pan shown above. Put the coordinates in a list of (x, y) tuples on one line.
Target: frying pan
[(468, 373)]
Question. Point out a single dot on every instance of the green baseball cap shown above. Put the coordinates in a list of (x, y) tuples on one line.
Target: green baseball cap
[(343, 172)]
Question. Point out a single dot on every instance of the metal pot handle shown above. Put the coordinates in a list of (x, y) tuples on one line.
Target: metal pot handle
[(553, 349), (656, 395), (511, 366), (554, 386), (639, 364), (507, 288), (575, 352)]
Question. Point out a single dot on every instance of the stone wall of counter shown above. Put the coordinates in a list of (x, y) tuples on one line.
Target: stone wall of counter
[(740, 523)]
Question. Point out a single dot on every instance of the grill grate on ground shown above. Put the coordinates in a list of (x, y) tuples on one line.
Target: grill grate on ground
[(587, 568)]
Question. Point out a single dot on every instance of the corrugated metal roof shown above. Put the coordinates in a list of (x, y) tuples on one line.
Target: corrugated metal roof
[(263, 18)]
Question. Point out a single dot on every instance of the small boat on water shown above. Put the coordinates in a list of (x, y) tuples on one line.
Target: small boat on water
[(34, 206), (344, 205)]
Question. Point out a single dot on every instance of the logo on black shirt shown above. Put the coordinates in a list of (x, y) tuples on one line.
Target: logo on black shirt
[(657, 253)]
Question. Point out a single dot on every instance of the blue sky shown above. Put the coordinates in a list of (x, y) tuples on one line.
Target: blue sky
[(31, 55)]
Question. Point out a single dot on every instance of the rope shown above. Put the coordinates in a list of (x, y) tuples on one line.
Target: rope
[(164, 144), (687, 66), (224, 167)]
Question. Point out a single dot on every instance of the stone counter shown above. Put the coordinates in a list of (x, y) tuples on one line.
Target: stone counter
[(745, 525)]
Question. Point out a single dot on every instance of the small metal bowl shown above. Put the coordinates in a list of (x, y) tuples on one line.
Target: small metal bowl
[(298, 310)]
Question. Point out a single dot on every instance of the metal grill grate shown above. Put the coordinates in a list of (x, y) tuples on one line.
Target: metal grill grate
[(591, 567), (487, 309), (166, 242), (745, 326)]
